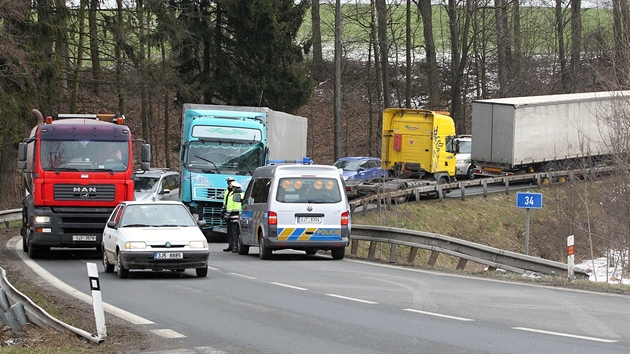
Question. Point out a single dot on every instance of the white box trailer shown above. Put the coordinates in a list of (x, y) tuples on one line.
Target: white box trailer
[(542, 133)]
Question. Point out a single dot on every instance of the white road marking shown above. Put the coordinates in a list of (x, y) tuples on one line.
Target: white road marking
[(244, 276), (167, 333), (54, 281), (565, 335), (439, 315), (352, 299), (289, 286)]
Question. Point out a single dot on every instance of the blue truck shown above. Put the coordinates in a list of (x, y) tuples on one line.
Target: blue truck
[(221, 141)]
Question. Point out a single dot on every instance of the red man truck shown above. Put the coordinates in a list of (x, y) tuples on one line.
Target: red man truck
[(76, 169)]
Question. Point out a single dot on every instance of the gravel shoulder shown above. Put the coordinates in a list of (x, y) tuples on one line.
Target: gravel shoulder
[(122, 337)]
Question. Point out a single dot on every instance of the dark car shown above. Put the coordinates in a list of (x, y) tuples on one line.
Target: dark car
[(360, 168)]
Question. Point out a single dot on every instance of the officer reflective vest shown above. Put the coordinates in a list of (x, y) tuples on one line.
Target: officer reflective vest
[(233, 208)]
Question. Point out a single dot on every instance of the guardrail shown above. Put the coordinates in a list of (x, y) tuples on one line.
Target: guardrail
[(466, 251), (387, 197), (6, 216)]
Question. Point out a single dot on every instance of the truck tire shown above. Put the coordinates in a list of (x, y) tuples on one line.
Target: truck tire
[(34, 251), (24, 244)]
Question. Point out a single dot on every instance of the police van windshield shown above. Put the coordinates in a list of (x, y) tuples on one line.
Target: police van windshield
[(308, 190)]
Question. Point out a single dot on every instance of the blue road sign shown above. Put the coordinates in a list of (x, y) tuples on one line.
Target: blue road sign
[(529, 200)]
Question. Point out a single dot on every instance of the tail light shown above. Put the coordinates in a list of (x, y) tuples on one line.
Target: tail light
[(344, 218), (272, 218)]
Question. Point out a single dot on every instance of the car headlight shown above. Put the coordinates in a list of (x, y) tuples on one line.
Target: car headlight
[(198, 244), (42, 219), (135, 245)]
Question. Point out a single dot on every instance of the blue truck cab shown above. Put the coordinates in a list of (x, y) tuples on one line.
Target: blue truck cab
[(218, 142)]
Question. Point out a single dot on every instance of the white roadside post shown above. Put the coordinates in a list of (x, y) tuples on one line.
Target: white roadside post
[(97, 301), (570, 260)]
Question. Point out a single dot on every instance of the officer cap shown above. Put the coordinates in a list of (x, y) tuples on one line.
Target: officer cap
[(230, 179), (236, 185)]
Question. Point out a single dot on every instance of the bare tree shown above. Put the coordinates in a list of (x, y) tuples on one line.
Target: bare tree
[(337, 80), (381, 16), (424, 6), (316, 37)]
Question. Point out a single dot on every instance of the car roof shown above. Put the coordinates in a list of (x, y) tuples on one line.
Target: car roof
[(150, 202), (355, 158), (155, 172), (285, 170)]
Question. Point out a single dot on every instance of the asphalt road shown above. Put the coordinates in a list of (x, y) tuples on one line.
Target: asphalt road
[(312, 304)]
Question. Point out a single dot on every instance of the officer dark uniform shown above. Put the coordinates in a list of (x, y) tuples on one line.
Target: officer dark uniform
[(227, 195), (233, 209)]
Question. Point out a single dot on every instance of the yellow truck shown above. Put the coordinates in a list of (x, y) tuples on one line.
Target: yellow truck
[(418, 144), (419, 148)]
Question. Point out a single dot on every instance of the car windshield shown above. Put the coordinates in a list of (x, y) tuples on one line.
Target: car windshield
[(347, 165), (157, 215), (222, 157), (144, 183), (308, 190), (465, 146)]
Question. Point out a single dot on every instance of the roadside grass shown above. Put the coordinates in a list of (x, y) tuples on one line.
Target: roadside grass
[(492, 221)]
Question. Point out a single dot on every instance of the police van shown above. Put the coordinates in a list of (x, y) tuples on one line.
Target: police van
[(300, 207)]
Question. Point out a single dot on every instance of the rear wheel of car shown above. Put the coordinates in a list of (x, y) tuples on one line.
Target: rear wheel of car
[(338, 253), (470, 174), (310, 252), (242, 249), (202, 272), (109, 268), (122, 271), (264, 252)]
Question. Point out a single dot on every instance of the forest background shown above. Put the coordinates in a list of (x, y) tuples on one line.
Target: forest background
[(145, 58)]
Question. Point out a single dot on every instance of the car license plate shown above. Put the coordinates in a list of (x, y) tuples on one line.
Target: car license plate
[(168, 255), (309, 219), (83, 238), (220, 229)]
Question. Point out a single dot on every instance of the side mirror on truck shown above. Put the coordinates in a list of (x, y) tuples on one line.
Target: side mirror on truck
[(145, 156), (22, 147)]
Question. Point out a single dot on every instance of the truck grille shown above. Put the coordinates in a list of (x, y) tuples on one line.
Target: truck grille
[(209, 193), (101, 192)]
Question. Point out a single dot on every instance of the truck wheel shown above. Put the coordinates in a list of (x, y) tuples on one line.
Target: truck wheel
[(109, 268), (242, 249), (338, 253), (122, 271), (34, 251), (264, 252), (202, 272), (24, 244)]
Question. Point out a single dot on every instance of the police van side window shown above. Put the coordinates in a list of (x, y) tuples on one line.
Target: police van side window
[(260, 190)]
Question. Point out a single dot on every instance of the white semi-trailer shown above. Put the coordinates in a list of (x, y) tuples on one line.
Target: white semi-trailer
[(545, 133)]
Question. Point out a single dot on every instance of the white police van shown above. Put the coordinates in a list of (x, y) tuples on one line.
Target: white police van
[(300, 207)]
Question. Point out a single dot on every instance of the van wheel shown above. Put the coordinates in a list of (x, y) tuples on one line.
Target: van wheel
[(338, 253), (264, 252), (242, 249)]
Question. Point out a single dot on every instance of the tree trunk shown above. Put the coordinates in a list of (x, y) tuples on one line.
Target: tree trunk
[(79, 62), (337, 102), (408, 56), (318, 58), (381, 13), (94, 48), (424, 6), (576, 40)]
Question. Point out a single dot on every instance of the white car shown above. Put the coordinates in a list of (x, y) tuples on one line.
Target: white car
[(159, 235), (156, 184), (464, 166)]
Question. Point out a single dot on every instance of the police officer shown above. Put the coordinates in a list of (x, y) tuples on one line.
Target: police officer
[(224, 214), (233, 209)]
